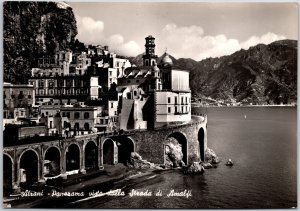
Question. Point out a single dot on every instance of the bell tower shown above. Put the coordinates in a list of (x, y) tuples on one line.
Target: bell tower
[(149, 59)]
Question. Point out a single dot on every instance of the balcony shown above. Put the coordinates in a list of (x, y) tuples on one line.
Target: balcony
[(181, 113)]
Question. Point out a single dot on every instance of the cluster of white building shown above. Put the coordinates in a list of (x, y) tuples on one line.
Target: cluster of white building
[(76, 93)]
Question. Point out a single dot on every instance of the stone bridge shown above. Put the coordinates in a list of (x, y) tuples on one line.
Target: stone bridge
[(34, 163)]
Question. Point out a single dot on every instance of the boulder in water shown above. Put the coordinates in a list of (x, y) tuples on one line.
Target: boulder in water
[(211, 157), (207, 165), (229, 162), (194, 168)]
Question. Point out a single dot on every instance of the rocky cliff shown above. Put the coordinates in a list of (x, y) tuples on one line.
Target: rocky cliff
[(261, 74), (32, 29)]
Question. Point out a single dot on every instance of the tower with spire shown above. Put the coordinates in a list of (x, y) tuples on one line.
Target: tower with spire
[(149, 59)]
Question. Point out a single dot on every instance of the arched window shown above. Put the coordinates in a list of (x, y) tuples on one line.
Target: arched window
[(86, 115), (65, 124), (76, 126), (86, 126), (76, 115)]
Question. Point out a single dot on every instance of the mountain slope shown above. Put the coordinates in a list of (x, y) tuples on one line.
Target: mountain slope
[(261, 74), (32, 29)]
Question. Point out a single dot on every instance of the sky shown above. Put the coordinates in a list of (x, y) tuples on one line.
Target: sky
[(195, 30)]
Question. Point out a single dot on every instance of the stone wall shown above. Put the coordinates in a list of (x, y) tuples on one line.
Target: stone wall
[(149, 144)]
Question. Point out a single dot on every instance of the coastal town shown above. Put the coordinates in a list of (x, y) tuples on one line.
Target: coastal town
[(149, 105), (86, 109)]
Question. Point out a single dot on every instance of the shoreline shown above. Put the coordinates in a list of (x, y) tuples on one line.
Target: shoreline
[(232, 106)]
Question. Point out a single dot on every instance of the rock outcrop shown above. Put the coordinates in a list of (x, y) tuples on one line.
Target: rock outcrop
[(137, 162), (32, 29), (194, 168), (173, 154), (211, 157)]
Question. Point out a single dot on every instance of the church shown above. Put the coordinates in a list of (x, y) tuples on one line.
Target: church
[(154, 95)]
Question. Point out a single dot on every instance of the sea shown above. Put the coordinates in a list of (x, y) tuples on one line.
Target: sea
[(262, 143)]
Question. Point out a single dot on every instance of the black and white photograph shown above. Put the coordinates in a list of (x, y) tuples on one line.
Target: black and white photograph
[(149, 105)]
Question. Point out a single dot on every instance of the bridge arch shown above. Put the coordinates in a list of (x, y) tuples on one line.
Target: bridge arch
[(91, 155), (201, 135), (72, 157), (53, 155), (179, 140), (8, 174), (108, 151), (125, 145), (29, 162)]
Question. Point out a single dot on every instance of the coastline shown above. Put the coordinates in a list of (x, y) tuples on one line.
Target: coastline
[(238, 106)]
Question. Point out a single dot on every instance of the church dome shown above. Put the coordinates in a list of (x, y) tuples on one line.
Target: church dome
[(166, 60)]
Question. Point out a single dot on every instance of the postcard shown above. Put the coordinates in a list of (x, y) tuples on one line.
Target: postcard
[(150, 105)]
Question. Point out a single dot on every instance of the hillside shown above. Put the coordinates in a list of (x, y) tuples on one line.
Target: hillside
[(33, 29), (261, 74)]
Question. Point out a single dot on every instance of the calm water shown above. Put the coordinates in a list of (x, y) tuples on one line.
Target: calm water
[(263, 147)]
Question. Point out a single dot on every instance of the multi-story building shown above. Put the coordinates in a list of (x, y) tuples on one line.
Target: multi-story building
[(80, 64), (81, 119), (18, 100)]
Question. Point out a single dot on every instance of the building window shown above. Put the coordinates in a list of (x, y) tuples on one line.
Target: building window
[(64, 114), (50, 124), (175, 109), (182, 100), (175, 99), (86, 126), (51, 84), (29, 96), (169, 100), (101, 121), (86, 115), (21, 95), (186, 100), (110, 73), (76, 115), (68, 114), (111, 105), (169, 110), (41, 83), (115, 112), (65, 124), (134, 93), (76, 126)]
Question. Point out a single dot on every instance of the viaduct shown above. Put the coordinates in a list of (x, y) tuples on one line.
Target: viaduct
[(82, 153)]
